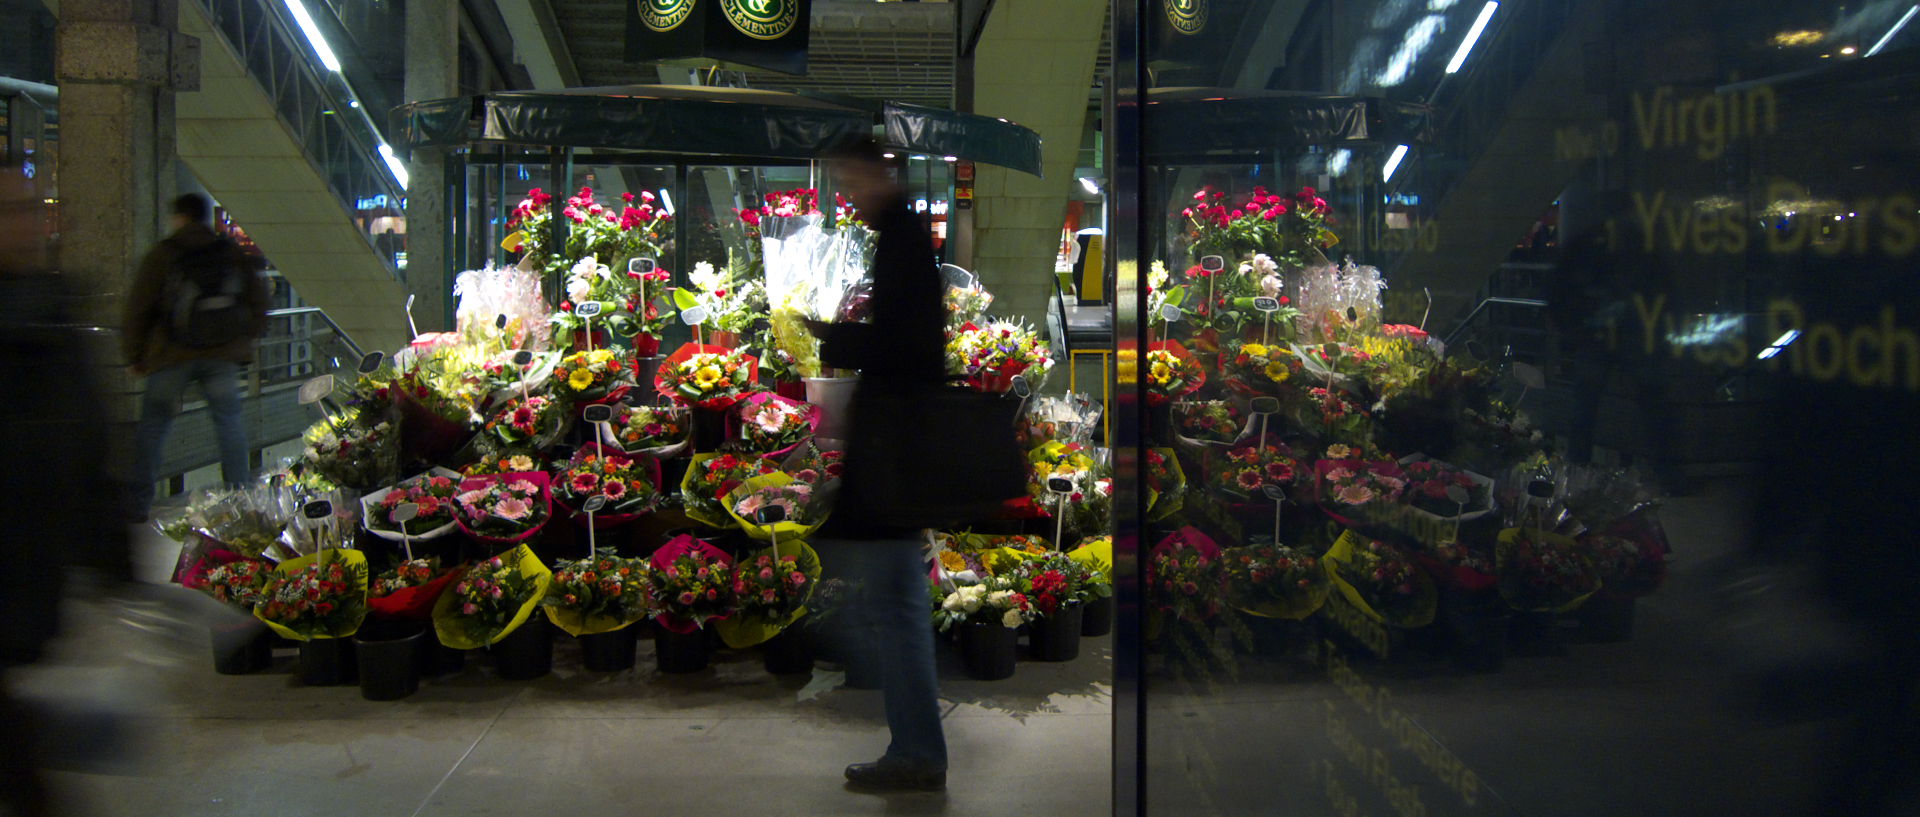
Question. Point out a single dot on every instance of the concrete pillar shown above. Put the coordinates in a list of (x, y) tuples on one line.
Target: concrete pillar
[(1034, 65), (433, 72), (118, 63)]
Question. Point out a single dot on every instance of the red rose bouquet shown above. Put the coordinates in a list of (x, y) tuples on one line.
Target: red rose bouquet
[(1184, 576)]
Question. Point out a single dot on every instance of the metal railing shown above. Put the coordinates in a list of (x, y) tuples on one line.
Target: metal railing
[(1479, 308), (302, 342), (316, 105)]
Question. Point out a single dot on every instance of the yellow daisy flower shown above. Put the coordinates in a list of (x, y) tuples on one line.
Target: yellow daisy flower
[(952, 561), (707, 377), (580, 379)]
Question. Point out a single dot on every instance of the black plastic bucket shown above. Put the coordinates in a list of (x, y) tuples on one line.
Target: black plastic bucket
[(1056, 637), (609, 652), (526, 653), (389, 658)]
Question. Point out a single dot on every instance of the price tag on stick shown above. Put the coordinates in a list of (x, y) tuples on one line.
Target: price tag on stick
[(1061, 487), (587, 311), (770, 516), (1214, 265), (371, 363), (520, 361), (694, 316), (1530, 378), (401, 515), (315, 390), (1264, 407), (601, 416), (1458, 496), (411, 326), (1267, 306), (592, 506), (317, 509), (1020, 387), (1279, 497)]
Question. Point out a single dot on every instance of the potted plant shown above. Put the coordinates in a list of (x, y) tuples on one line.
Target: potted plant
[(492, 604), (773, 589), (691, 585), (596, 600), (988, 615), (319, 600), (1059, 588)]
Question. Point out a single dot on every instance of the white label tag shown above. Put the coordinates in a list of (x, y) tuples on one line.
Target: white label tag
[(1265, 304), (404, 512), (315, 390), (522, 357), (1212, 263), (1021, 388), (588, 310), (371, 363), (595, 503), (1529, 375), (1264, 405), (694, 315), (1170, 313), (641, 265), (317, 509), (597, 413), (1274, 492)]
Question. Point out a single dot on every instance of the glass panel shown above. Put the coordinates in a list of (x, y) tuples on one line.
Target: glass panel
[(1560, 474)]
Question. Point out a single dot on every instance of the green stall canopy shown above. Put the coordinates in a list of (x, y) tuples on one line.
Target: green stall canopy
[(699, 120)]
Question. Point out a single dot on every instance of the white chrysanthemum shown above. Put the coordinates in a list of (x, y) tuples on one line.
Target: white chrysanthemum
[(704, 277)]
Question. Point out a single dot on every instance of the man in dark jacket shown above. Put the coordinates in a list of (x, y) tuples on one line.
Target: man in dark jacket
[(900, 354), (151, 342)]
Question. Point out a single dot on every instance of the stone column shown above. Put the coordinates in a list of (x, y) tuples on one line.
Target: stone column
[(1034, 65), (118, 63), (433, 72)]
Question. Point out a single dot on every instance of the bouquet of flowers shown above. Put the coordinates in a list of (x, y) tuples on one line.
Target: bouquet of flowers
[(533, 421), (1543, 572), (597, 233), (816, 466), (504, 509), (597, 595), (1381, 581), (1292, 229), (1274, 581), (1184, 576), (430, 493), (773, 425), (240, 582), (989, 356), (691, 584), (710, 478), (1208, 422), (491, 599), (1258, 368), (1071, 461), (410, 589), (798, 500), (498, 462), (1627, 565), (355, 448), (1342, 419), (1055, 580), (773, 590), (966, 304), (1357, 488), (1459, 565), (1429, 480), (659, 432), (319, 596), (630, 485), (246, 522), (1244, 471), (1171, 372), (584, 377), (732, 302), (993, 600), (707, 377), (1166, 484)]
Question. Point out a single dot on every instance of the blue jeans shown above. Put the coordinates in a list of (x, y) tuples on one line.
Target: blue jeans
[(220, 381), (891, 625)]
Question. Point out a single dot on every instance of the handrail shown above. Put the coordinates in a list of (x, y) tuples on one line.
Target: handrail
[(337, 134), (339, 333), (1479, 307)]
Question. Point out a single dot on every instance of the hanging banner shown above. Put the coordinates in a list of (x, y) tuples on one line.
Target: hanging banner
[(769, 34)]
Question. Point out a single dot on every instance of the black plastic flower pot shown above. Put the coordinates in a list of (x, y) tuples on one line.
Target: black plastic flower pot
[(709, 429), (1097, 618), (987, 650), (526, 653), (437, 659), (389, 659), (328, 662), (242, 648), (1056, 637), (1479, 639), (681, 653), (609, 652), (787, 653), (1606, 619)]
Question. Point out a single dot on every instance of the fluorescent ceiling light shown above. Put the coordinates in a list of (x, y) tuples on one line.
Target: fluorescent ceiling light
[(1092, 187), (314, 39), (394, 164), (1888, 37), (1473, 36), (949, 158), (666, 201), (1393, 163), (1779, 344)]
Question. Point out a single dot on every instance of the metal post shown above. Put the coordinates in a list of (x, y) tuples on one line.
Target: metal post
[(1126, 163)]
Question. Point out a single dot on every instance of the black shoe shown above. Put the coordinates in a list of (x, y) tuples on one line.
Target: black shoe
[(889, 774)]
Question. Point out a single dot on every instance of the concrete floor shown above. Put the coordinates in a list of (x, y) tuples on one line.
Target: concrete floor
[(731, 740), (1727, 701)]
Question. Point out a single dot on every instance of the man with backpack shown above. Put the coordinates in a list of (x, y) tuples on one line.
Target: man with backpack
[(195, 308)]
